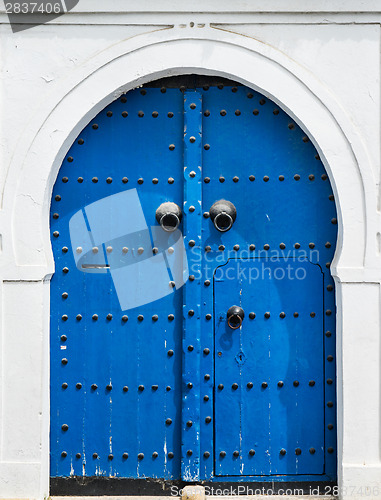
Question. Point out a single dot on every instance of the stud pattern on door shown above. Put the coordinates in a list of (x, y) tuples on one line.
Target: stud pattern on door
[(154, 382)]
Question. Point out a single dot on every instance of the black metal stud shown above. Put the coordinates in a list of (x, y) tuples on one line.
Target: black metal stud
[(266, 178), (297, 177), (189, 453), (109, 317), (78, 455), (295, 383), (78, 385), (141, 388), (267, 315), (312, 314), (189, 385), (221, 179), (140, 456), (312, 450), (207, 376), (328, 333), (171, 454), (125, 456), (330, 358), (208, 249), (154, 387), (65, 270), (109, 387), (125, 180), (220, 386), (95, 317), (125, 388), (95, 456), (330, 450), (65, 317), (171, 317), (282, 315), (329, 381), (168, 421), (171, 147), (252, 247), (64, 361), (155, 114), (65, 427), (236, 453), (206, 454), (255, 112), (296, 314), (190, 348), (155, 454), (63, 338), (252, 315), (208, 317), (312, 245), (311, 383), (111, 456), (81, 142), (208, 420), (281, 178), (330, 404), (64, 454), (234, 386), (283, 452), (222, 454), (189, 423), (249, 385), (330, 426), (298, 451), (280, 383), (94, 387), (57, 197), (78, 317), (170, 353), (264, 385), (252, 453), (206, 397), (236, 248), (95, 179), (140, 317)]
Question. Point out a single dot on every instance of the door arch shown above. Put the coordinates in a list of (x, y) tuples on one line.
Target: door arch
[(124, 121)]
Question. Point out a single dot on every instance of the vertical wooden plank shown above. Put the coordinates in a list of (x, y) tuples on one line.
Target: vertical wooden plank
[(190, 463)]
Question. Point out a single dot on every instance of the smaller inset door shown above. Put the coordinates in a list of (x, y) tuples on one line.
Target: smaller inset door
[(269, 372)]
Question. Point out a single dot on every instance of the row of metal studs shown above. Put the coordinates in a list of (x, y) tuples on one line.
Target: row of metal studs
[(234, 386), (206, 454), (155, 317), (155, 180)]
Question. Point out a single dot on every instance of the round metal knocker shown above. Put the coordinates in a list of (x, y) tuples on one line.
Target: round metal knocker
[(169, 215), (235, 317), (223, 214)]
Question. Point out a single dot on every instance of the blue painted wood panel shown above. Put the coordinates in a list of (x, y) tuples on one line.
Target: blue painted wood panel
[(123, 345)]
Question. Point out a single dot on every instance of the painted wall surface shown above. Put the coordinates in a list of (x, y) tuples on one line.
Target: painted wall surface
[(319, 62)]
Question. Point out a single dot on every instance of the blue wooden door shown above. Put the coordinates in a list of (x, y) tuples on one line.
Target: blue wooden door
[(148, 380)]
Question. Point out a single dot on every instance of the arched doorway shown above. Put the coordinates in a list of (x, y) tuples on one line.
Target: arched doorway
[(147, 377)]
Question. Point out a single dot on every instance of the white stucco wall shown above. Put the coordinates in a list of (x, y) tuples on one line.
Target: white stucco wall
[(321, 66)]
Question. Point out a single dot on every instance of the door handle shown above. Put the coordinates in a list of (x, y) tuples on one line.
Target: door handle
[(223, 214), (169, 215), (235, 317)]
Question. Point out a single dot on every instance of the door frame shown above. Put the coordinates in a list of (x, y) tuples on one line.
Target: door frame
[(211, 52)]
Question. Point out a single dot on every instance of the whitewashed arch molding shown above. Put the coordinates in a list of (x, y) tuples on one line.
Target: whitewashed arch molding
[(89, 88)]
